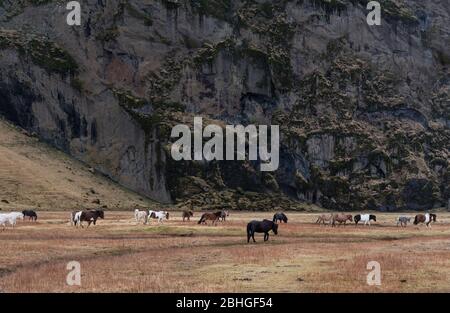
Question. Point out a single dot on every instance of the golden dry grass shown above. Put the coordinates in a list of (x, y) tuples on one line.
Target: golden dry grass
[(119, 256)]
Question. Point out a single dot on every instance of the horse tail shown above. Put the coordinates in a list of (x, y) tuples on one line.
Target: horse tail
[(416, 220), (249, 231), (201, 219)]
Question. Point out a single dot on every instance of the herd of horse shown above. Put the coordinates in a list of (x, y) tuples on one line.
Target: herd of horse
[(264, 226), (340, 218), (12, 217)]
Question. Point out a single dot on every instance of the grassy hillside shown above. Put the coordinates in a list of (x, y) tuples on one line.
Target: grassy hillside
[(35, 175)]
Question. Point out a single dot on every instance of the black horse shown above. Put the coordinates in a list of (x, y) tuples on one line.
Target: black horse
[(91, 216), (261, 227), (280, 217), (30, 214)]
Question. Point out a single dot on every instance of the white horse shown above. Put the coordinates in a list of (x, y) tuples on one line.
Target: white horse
[(10, 218), (75, 218), (160, 215), (140, 215), (364, 218)]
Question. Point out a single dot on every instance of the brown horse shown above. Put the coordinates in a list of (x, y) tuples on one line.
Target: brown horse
[(341, 218), (425, 218), (187, 214), (214, 217)]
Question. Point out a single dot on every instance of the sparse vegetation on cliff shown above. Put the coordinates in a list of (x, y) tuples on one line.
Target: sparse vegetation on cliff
[(41, 51)]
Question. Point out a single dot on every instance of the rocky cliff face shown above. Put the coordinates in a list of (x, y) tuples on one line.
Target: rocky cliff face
[(364, 110)]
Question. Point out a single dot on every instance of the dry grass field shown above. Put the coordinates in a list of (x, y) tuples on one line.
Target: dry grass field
[(119, 256)]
